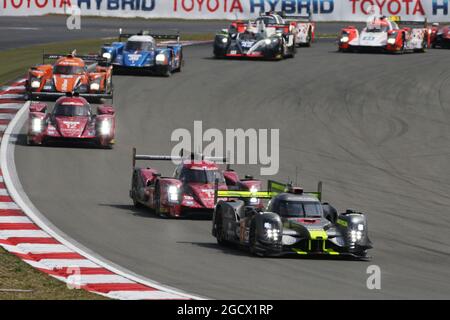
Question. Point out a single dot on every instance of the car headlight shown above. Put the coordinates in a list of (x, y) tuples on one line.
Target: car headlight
[(107, 56), (271, 233), (105, 127), (391, 41), (161, 59), (172, 193), (345, 39), (36, 125), (35, 84), (253, 190), (267, 41), (224, 40), (356, 235), (95, 86)]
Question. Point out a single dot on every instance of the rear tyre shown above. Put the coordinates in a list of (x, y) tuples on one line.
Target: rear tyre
[(181, 63), (309, 42), (136, 203), (219, 231)]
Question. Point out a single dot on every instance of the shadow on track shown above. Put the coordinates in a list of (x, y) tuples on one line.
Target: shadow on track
[(149, 213)]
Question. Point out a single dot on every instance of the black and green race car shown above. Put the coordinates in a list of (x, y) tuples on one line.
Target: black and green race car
[(294, 222)]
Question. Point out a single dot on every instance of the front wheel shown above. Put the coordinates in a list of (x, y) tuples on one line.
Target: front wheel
[(30, 141), (252, 239), (166, 73), (136, 203), (181, 63), (219, 231)]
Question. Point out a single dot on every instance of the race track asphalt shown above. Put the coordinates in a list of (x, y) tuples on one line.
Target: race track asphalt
[(374, 128)]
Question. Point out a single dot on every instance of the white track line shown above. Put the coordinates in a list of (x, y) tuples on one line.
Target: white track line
[(52, 264), (8, 205), (95, 279), (6, 234), (142, 295), (36, 248), (15, 219)]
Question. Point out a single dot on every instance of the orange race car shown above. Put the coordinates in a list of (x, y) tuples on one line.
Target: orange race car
[(70, 73)]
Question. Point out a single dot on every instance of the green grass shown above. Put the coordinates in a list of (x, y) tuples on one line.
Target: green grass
[(19, 281), (17, 61)]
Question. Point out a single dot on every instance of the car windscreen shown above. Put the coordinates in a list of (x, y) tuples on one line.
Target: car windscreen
[(300, 209), (267, 20), (71, 111), (138, 46), (376, 27), (248, 36), (201, 176), (67, 70)]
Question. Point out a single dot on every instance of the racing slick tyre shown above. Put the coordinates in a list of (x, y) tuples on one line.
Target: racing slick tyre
[(166, 73), (219, 231), (181, 63), (309, 42), (423, 49), (30, 142), (136, 203), (252, 240), (362, 255)]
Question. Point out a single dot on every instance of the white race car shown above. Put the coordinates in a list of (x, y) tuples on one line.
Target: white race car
[(302, 27), (383, 34)]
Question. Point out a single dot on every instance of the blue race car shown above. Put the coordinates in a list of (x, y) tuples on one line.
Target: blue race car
[(141, 52)]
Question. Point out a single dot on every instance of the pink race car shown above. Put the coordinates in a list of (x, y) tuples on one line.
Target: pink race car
[(71, 120), (191, 190)]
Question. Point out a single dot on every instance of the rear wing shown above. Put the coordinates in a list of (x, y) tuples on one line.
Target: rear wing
[(273, 189), (157, 36), (412, 23), (306, 17), (278, 187), (302, 18), (87, 58), (192, 156)]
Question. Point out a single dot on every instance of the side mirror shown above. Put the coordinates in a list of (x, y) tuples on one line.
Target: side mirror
[(106, 110), (38, 107)]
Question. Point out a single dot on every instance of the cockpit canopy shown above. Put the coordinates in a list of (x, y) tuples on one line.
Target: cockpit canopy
[(68, 70), (200, 174), (288, 206), (71, 109), (380, 25), (140, 43)]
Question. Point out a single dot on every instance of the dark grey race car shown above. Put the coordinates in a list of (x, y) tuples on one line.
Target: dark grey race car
[(255, 41), (294, 222)]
